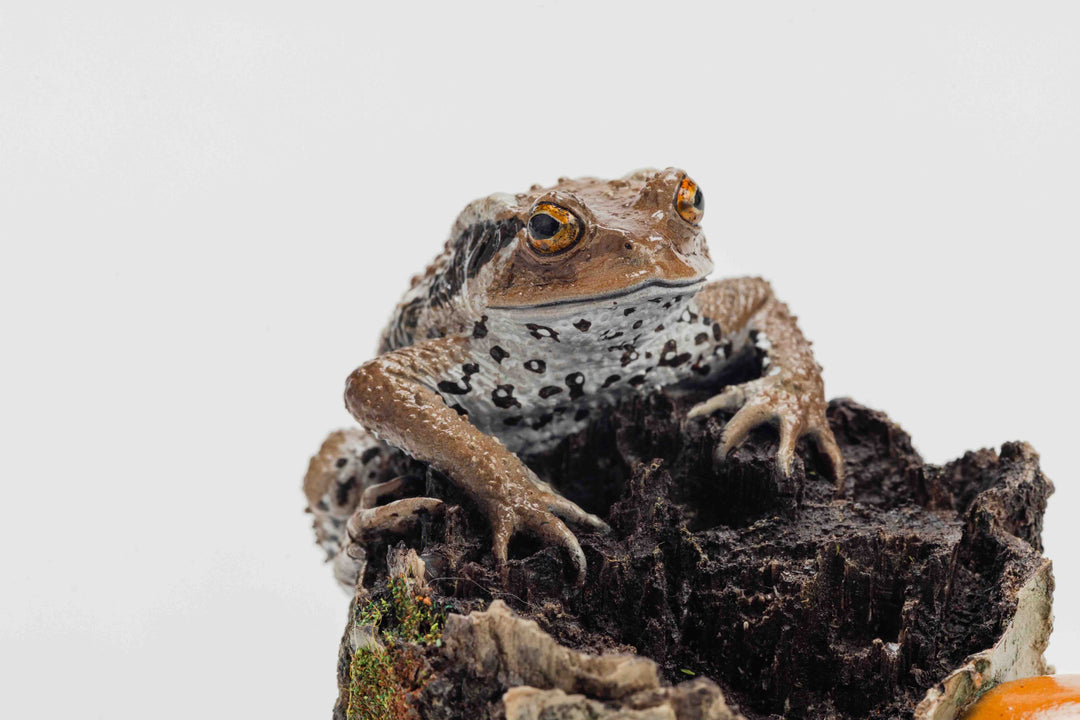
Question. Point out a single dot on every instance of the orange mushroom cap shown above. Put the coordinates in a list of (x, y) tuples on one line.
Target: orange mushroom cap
[(1047, 697)]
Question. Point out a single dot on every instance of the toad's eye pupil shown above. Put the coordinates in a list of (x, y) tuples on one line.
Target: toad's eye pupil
[(543, 226), (699, 200)]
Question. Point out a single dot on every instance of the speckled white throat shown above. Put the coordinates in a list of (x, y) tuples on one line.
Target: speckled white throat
[(539, 373)]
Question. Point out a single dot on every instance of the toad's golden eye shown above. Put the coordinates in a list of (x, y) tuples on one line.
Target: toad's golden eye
[(553, 229), (689, 201)]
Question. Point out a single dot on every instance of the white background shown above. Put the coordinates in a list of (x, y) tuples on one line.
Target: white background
[(207, 215)]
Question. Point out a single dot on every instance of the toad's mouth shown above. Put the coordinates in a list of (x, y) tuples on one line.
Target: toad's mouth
[(670, 286)]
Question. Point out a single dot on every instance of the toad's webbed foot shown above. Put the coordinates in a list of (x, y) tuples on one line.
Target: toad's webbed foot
[(794, 403)]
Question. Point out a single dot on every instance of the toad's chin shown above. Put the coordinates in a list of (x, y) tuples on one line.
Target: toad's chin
[(647, 290)]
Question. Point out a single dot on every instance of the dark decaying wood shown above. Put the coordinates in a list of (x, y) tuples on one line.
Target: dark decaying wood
[(795, 602)]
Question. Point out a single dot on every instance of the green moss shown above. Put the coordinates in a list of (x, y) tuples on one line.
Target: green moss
[(373, 690), (418, 620), (380, 677)]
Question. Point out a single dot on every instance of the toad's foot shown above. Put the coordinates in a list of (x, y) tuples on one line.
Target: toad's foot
[(536, 509), (374, 522), (796, 404), (393, 489), (368, 525), (533, 508), (392, 397)]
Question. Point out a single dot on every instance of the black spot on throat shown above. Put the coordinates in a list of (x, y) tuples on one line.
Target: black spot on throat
[(688, 316), (480, 328), (536, 366), (542, 332), (503, 397), (576, 383), (453, 388), (542, 421), (670, 357), (583, 325)]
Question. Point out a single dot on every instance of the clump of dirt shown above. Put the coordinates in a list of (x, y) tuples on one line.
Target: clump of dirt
[(794, 600)]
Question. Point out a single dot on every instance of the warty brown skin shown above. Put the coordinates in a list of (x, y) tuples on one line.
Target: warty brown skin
[(505, 344)]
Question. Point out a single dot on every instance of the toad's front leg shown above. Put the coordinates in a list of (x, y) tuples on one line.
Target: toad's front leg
[(391, 396), (790, 391)]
